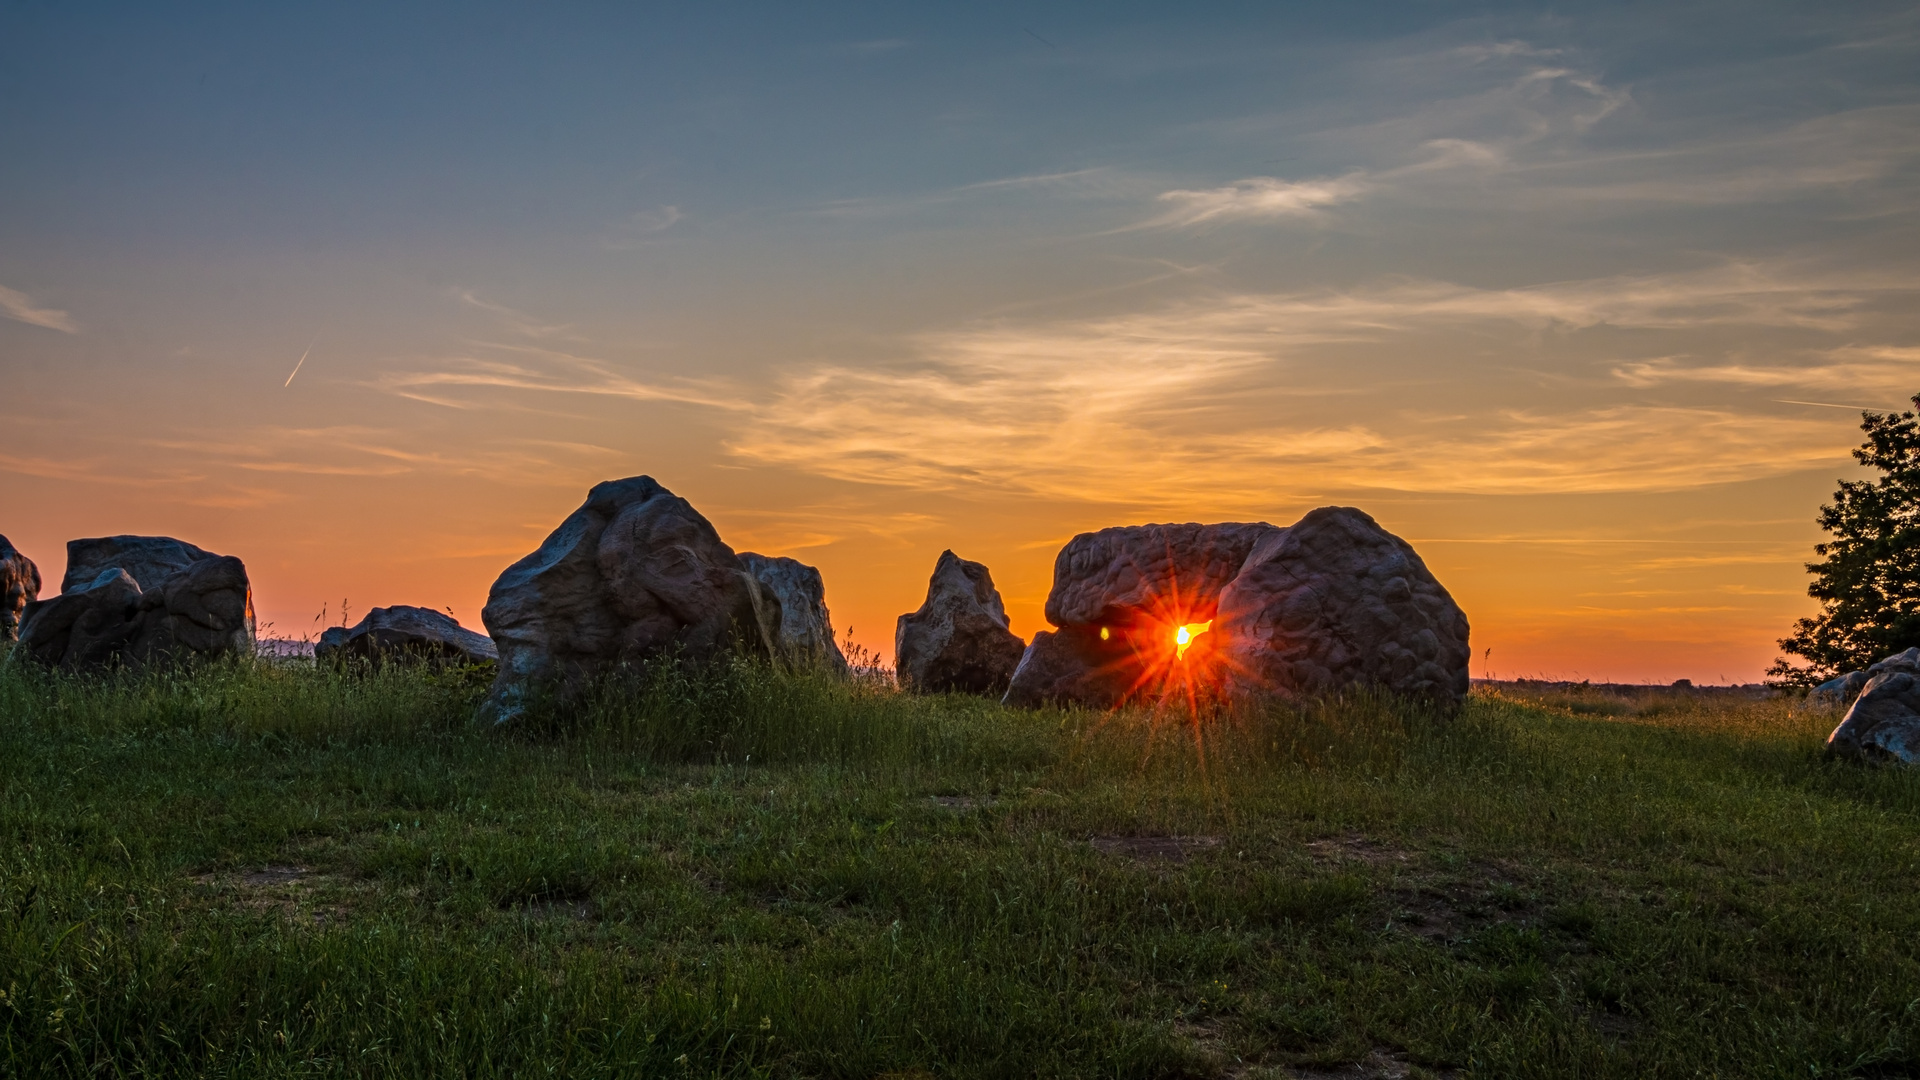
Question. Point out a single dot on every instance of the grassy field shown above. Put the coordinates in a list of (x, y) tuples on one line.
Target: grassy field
[(286, 871)]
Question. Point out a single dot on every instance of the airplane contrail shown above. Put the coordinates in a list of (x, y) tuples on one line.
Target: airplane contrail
[(1826, 405), (296, 367)]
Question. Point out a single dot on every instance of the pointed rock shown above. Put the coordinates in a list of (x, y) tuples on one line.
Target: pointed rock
[(958, 641), (19, 584), (806, 628)]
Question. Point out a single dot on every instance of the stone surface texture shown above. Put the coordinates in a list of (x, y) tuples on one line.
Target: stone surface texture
[(806, 628), (149, 560), (1884, 722), (407, 632), (635, 572), (203, 609), (958, 641), (1337, 602), (1836, 693), (1331, 603), (19, 585)]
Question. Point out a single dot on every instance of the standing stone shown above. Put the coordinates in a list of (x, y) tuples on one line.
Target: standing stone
[(406, 632), (806, 629), (958, 641), (1337, 602), (202, 609), (635, 572), (1884, 722), (19, 584), (1119, 597)]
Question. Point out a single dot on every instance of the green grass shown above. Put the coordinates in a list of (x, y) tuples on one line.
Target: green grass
[(290, 871)]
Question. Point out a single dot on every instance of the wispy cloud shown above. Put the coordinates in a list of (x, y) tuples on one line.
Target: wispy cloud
[(546, 371), (515, 320), (18, 306), (1889, 368), (1259, 198)]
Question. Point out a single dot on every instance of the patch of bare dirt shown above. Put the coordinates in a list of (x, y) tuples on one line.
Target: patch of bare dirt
[(1378, 1065), (296, 892), (1170, 848), (1357, 848), (960, 803)]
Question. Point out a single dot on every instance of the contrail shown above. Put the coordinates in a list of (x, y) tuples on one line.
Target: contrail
[(296, 367), (1826, 405)]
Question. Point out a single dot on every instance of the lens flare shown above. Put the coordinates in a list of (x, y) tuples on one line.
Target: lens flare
[(1183, 637)]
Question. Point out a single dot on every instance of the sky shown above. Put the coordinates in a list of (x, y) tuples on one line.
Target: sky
[(1584, 301)]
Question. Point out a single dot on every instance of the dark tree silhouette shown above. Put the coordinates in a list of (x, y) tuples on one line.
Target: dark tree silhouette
[(1868, 582)]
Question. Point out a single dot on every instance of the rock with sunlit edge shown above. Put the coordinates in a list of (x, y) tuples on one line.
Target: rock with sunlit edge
[(1135, 606), (1884, 722), (200, 610), (1336, 602), (806, 628), (1193, 613), (636, 572), (958, 641), (405, 632), (19, 584)]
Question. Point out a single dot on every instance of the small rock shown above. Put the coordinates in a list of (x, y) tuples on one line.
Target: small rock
[(19, 584), (1884, 722), (806, 629), (958, 641), (406, 631), (635, 572)]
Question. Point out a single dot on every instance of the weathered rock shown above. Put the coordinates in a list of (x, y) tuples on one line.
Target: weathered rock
[(406, 632), (635, 572), (149, 560), (1119, 597), (1836, 693), (19, 584), (1336, 602), (202, 610), (806, 629), (1884, 722), (958, 641)]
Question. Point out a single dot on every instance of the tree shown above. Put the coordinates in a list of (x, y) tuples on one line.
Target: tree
[(1868, 582)]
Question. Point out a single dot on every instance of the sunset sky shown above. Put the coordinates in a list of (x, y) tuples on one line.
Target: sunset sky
[(1584, 301)]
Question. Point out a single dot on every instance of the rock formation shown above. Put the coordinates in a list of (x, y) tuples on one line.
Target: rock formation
[(406, 632), (201, 608), (1333, 602), (1119, 597), (635, 572), (1884, 723), (806, 629), (19, 585), (1838, 693), (958, 641)]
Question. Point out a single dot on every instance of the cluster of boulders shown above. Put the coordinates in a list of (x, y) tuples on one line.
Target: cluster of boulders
[(137, 600)]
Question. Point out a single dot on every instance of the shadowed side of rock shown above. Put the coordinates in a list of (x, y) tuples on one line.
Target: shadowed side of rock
[(201, 610), (1884, 722), (19, 585), (635, 572), (958, 641), (1337, 602), (806, 628), (405, 632)]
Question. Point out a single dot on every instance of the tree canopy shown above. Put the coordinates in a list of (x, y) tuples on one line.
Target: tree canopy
[(1868, 579)]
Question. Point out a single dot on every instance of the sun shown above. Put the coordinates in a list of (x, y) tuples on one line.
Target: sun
[(1183, 637)]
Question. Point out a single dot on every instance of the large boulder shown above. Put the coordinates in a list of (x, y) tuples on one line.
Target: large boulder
[(405, 632), (202, 610), (19, 584), (958, 641), (1119, 598), (1884, 722), (635, 572), (1194, 611), (149, 560), (1836, 693), (806, 629), (1337, 602)]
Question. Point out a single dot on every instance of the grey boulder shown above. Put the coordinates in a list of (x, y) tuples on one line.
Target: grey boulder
[(806, 629), (405, 632), (1884, 722), (958, 641), (1337, 602), (149, 560), (1119, 598), (1836, 693), (19, 585), (203, 610), (635, 572)]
